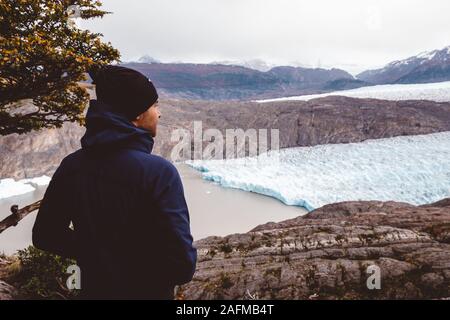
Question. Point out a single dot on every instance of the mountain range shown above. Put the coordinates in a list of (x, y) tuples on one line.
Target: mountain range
[(256, 79), (230, 82), (255, 64), (431, 66)]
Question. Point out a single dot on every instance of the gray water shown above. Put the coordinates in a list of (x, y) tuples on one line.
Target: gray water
[(214, 211), (18, 237)]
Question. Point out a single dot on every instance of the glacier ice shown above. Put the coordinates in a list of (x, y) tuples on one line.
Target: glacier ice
[(439, 92), (413, 169), (38, 181), (10, 187)]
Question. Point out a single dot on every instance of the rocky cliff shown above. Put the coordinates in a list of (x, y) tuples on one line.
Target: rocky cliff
[(7, 292), (301, 123), (39, 152), (326, 255)]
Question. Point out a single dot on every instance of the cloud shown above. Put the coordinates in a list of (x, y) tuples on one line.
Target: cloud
[(355, 34)]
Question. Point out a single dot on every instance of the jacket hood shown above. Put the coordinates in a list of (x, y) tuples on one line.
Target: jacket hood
[(109, 130)]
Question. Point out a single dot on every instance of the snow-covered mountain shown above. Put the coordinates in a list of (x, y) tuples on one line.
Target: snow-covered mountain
[(430, 66), (255, 64), (147, 59)]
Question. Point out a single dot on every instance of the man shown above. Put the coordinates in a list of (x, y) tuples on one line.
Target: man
[(113, 206)]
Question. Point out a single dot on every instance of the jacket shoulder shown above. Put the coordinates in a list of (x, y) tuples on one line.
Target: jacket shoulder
[(68, 164), (162, 164)]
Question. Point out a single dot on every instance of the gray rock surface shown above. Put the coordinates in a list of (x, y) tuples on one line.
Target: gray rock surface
[(325, 255), (7, 292)]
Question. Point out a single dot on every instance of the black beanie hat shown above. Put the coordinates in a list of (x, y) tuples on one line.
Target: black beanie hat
[(126, 91)]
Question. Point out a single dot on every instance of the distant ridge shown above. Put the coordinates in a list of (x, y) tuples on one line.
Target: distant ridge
[(426, 67), (256, 79), (231, 82)]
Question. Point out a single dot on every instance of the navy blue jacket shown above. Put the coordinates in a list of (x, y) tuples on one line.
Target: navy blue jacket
[(130, 230)]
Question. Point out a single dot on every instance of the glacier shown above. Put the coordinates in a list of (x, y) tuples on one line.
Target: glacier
[(439, 92), (412, 169), (10, 187)]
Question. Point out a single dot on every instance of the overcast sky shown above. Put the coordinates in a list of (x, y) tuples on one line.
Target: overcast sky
[(349, 34)]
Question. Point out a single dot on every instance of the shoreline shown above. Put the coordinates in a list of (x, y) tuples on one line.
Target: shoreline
[(214, 210), (388, 169), (218, 211)]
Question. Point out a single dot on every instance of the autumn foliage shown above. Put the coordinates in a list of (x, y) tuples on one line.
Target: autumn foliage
[(43, 57)]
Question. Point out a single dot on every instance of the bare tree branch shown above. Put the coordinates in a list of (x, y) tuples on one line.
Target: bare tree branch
[(17, 215)]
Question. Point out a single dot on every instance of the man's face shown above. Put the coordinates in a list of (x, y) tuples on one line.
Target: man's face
[(149, 119)]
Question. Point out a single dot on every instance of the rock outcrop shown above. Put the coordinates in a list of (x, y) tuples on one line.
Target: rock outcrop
[(301, 123), (39, 152), (326, 255), (7, 292)]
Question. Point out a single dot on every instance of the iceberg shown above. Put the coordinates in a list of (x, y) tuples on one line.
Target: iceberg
[(39, 181), (413, 169), (439, 92), (10, 187)]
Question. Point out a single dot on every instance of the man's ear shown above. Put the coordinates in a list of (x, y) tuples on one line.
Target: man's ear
[(136, 120)]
